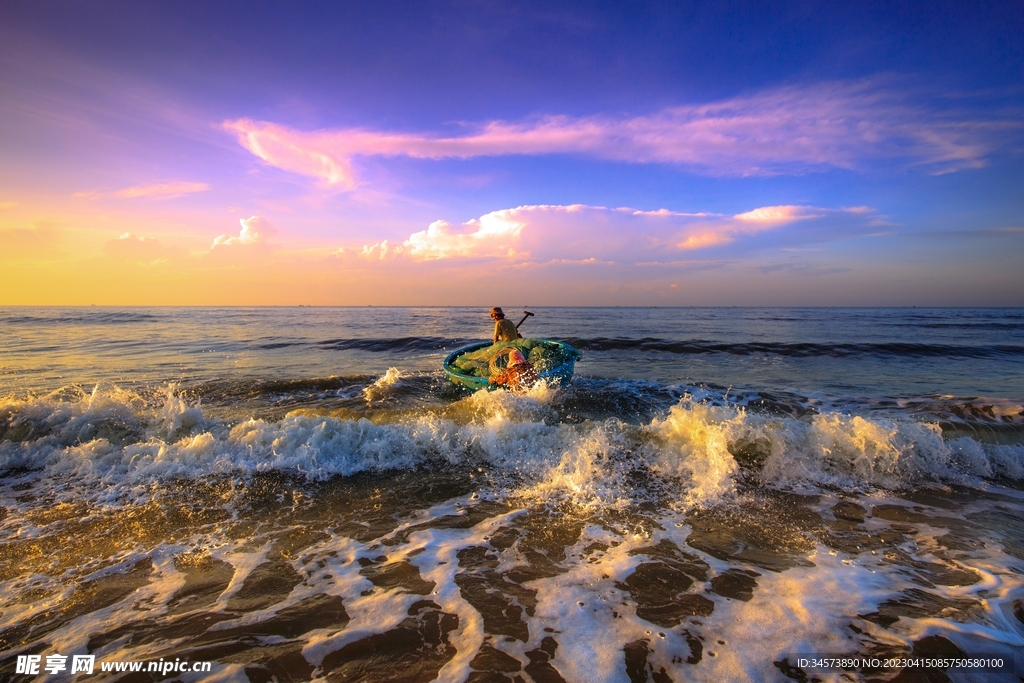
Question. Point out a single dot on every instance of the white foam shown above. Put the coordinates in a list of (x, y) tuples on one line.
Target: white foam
[(693, 442), (381, 386), (112, 437), (803, 610), (588, 614)]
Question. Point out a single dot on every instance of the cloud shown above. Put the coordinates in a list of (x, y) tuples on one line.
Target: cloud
[(599, 235), (788, 130), (156, 191), (255, 230), (36, 243), (771, 215), (135, 248), (492, 235), (7, 205)]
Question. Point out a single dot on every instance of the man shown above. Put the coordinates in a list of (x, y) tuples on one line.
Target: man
[(518, 375), (504, 330)]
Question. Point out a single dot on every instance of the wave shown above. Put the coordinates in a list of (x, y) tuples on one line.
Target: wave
[(250, 388), (681, 347), (694, 452), (395, 344), (799, 349), (82, 318), (977, 325), (377, 344)]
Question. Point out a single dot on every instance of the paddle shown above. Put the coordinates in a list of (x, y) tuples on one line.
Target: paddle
[(527, 315)]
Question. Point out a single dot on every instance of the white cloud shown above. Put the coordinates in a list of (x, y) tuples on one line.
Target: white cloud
[(492, 235), (595, 234), (255, 230)]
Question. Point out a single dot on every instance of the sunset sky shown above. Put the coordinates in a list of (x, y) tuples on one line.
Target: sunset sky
[(481, 153)]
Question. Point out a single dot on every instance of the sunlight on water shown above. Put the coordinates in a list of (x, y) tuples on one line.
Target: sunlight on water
[(382, 524)]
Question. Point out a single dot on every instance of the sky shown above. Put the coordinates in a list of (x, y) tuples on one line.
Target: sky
[(528, 153)]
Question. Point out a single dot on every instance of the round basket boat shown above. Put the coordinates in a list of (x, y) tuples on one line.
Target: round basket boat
[(558, 374)]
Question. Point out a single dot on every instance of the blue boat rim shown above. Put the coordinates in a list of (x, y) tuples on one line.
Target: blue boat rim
[(561, 374)]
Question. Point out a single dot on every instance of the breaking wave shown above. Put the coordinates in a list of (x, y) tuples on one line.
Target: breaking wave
[(695, 452)]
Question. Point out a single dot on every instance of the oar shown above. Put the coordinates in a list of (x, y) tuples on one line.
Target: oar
[(527, 315)]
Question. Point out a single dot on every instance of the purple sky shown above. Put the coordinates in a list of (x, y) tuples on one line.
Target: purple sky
[(474, 152)]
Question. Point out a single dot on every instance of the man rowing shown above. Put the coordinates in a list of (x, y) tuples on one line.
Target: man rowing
[(504, 329)]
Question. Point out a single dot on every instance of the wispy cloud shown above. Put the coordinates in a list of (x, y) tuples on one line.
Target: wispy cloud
[(133, 248), (155, 191), (38, 242), (795, 129), (594, 234)]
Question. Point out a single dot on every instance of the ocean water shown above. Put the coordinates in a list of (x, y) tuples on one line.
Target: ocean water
[(299, 494)]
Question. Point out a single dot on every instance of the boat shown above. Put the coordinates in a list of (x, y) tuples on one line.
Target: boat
[(559, 372)]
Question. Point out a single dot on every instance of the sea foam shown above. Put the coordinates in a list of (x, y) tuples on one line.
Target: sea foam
[(117, 437)]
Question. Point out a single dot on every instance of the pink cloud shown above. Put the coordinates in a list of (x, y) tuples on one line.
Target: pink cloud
[(155, 191), (595, 234), (765, 218), (786, 130)]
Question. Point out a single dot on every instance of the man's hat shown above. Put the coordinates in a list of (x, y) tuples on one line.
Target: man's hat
[(497, 311)]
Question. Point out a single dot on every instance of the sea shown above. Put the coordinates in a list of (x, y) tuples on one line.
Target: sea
[(719, 494)]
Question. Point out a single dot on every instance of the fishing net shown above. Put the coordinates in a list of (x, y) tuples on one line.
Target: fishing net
[(542, 355)]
